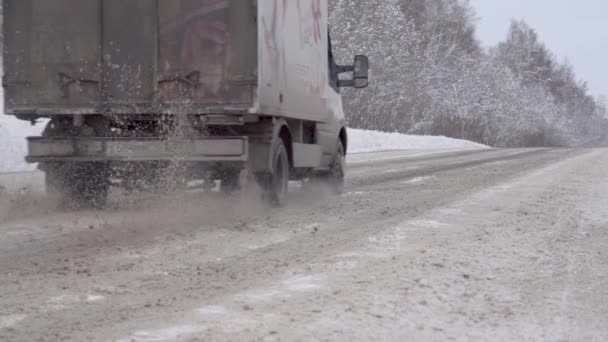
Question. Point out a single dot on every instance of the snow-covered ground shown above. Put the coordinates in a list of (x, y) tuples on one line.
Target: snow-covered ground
[(476, 245), (373, 141), (13, 145)]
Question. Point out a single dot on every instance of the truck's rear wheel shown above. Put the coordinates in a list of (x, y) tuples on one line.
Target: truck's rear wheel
[(275, 184), (78, 185)]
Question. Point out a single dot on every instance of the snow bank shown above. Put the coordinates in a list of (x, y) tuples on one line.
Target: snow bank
[(371, 141), (13, 145)]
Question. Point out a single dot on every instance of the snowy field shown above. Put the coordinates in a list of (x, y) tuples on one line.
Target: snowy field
[(13, 145), (371, 141)]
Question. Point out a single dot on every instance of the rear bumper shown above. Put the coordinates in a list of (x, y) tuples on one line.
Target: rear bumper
[(233, 149)]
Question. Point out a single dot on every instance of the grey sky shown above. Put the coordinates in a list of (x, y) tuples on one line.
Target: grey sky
[(573, 30)]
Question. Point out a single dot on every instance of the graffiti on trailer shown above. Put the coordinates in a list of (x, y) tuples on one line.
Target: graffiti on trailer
[(316, 17), (270, 36), (205, 48), (273, 43), (310, 22), (196, 50), (311, 26)]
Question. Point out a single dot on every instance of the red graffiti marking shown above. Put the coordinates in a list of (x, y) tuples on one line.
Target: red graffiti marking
[(270, 36), (196, 47), (316, 17), (274, 42)]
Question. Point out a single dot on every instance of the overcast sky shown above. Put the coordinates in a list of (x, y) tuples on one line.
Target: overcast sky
[(576, 30)]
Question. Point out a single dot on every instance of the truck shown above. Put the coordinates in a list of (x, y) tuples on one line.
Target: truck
[(228, 90)]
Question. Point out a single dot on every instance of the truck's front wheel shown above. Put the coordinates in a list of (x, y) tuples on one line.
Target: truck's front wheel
[(78, 185)]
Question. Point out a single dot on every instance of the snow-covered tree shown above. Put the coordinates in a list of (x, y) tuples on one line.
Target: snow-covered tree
[(379, 29), (432, 77)]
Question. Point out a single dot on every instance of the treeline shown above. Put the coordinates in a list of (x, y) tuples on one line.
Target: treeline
[(432, 76)]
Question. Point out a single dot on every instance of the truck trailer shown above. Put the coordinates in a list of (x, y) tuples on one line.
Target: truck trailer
[(217, 89)]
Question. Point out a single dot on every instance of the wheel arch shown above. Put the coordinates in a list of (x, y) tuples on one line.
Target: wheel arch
[(283, 132)]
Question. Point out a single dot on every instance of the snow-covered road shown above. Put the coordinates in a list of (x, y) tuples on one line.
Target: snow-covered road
[(475, 245)]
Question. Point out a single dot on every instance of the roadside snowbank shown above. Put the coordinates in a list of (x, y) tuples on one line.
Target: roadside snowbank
[(371, 141), (13, 145)]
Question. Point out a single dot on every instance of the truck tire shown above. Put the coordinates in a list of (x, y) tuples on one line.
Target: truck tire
[(78, 185), (334, 177), (275, 184)]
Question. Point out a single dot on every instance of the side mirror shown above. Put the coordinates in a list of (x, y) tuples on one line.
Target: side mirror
[(360, 73)]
